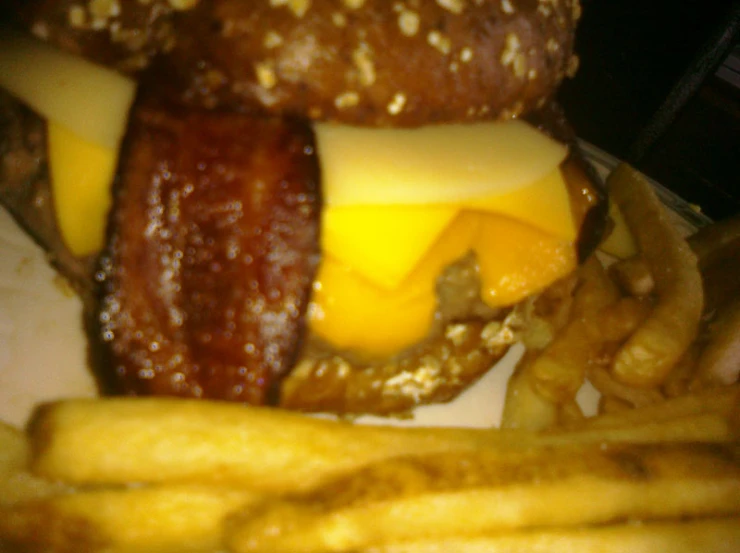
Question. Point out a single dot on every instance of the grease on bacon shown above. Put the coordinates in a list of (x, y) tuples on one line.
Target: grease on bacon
[(212, 250)]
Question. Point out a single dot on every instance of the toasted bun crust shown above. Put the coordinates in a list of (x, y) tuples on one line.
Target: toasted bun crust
[(366, 62), (383, 63)]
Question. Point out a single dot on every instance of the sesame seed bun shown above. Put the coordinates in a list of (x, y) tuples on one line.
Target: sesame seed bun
[(363, 62), (380, 63)]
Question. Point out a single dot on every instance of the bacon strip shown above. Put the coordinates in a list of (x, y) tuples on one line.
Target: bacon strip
[(211, 257)]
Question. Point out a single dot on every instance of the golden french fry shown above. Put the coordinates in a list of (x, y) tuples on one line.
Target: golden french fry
[(121, 440), (594, 290), (633, 276), (13, 449), (441, 496), (650, 353), (717, 401), (559, 370), (620, 319), (609, 405), (706, 427), (524, 408), (609, 386), (570, 414), (716, 535), (678, 381), (167, 519), (16, 483)]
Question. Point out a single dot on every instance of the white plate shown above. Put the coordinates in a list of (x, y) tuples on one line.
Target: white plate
[(43, 346)]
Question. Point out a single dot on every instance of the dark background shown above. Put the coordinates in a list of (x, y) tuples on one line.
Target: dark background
[(632, 53)]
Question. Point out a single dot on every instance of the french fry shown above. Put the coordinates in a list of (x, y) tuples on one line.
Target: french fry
[(707, 427), (441, 496), (125, 440), (13, 449), (678, 381), (166, 519), (720, 535), (594, 290), (559, 371), (620, 319), (650, 353), (609, 386), (524, 408), (122, 440), (570, 414), (717, 401), (633, 276), (609, 405), (16, 483)]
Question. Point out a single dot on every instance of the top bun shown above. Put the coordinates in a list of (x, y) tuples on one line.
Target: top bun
[(385, 63), (363, 62)]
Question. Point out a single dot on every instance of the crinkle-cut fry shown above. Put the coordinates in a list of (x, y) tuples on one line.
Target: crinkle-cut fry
[(607, 385), (524, 407), (650, 353), (712, 535), (558, 372), (620, 319), (441, 496), (161, 519)]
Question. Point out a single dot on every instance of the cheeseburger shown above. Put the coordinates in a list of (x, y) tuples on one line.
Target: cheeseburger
[(329, 205)]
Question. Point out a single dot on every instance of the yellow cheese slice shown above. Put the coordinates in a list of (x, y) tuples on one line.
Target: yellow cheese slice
[(544, 205), (89, 100), (87, 108), (515, 260), (81, 175), (385, 243), (351, 313), (437, 164)]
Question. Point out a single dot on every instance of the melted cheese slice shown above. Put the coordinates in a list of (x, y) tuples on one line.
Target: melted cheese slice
[(81, 177), (515, 260), (385, 243), (86, 107), (88, 99), (401, 205)]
